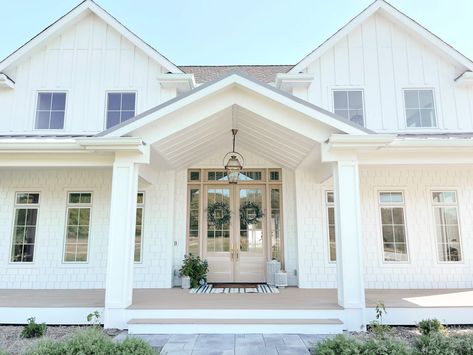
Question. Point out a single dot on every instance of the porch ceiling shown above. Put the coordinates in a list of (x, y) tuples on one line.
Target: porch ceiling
[(255, 133)]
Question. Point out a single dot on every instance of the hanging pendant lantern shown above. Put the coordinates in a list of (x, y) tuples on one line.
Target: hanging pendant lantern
[(233, 165)]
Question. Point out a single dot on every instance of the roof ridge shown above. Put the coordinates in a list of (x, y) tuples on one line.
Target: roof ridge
[(236, 65)]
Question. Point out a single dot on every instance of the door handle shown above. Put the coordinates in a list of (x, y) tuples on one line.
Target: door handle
[(237, 256)]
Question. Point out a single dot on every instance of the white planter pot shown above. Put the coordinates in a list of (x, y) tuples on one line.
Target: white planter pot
[(185, 282), (272, 267), (280, 279)]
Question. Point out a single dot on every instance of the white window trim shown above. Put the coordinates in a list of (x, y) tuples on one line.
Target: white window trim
[(393, 205), (64, 128), (434, 225), (124, 91), (328, 205), (142, 206), (348, 88), (15, 206), (437, 117), (77, 205)]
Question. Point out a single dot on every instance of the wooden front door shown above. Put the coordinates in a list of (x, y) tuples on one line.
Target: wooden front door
[(236, 251)]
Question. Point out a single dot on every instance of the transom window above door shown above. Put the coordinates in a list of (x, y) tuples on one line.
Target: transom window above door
[(349, 105), (120, 107), (420, 109), (50, 110)]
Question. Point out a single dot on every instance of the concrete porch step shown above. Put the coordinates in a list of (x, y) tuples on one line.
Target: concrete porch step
[(235, 325)]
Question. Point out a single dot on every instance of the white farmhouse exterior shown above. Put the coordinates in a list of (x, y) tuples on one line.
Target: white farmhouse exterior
[(360, 158)]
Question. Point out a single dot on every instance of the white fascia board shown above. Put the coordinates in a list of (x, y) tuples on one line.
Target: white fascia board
[(180, 82), (286, 81), (6, 82), (238, 80), (129, 144), (396, 16), (465, 79), (432, 143), (370, 141)]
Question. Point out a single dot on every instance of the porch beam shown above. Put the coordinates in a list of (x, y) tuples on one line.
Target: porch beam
[(351, 292)]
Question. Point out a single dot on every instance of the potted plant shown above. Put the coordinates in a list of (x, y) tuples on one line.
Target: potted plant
[(195, 269)]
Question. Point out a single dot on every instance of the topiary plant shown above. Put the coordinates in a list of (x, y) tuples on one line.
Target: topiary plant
[(428, 326), (195, 268), (90, 340), (339, 345), (33, 329)]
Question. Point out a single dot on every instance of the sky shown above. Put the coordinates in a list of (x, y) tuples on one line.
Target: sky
[(217, 32)]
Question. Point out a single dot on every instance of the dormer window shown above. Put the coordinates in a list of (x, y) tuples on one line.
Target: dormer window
[(120, 107), (420, 109), (50, 110), (349, 105)]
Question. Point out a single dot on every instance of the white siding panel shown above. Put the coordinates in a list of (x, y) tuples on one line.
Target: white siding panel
[(86, 60)]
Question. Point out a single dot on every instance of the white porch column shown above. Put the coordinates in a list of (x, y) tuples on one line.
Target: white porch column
[(351, 291), (119, 278)]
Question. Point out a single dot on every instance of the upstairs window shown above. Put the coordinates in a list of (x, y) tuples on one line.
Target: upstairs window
[(420, 110), (50, 110), (120, 107), (349, 105)]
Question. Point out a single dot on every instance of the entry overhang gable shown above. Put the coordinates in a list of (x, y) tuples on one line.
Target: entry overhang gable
[(207, 100)]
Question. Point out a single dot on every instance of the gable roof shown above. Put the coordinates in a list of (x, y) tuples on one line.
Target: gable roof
[(77, 13), (264, 73), (394, 15), (231, 79)]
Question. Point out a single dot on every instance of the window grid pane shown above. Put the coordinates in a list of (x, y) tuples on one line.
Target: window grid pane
[(50, 110), (447, 227), (24, 226), (276, 224), (419, 106), (329, 202), (193, 246), (349, 105), (140, 207), (393, 227), (77, 226), (121, 106)]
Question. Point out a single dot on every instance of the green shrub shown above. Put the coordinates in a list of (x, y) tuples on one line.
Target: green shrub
[(89, 341), (462, 344), (435, 344), (3, 352), (195, 268), (46, 347), (428, 326), (378, 329), (33, 329), (339, 345), (385, 346), (135, 346)]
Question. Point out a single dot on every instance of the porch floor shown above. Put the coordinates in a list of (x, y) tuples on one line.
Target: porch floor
[(288, 298)]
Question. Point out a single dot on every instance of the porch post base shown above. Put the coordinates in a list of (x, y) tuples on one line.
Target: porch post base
[(354, 319), (114, 318)]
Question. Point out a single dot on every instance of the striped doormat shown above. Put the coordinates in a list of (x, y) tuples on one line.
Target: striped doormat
[(259, 288)]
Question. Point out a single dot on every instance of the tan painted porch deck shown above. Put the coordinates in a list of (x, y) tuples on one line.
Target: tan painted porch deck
[(289, 298)]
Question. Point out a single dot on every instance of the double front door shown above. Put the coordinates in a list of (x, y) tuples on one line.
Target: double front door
[(235, 242)]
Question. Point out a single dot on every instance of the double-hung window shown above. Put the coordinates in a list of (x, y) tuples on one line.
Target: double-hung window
[(330, 205), (140, 206), (120, 107), (24, 226), (349, 105), (50, 110), (393, 226), (420, 110), (79, 205), (447, 226)]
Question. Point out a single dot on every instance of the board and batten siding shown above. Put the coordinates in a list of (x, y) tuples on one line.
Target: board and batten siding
[(86, 60), (382, 59)]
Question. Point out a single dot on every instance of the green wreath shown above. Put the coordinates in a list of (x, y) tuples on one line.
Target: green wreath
[(218, 214), (250, 213)]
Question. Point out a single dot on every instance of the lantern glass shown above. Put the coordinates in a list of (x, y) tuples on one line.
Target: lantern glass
[(233, 168)]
